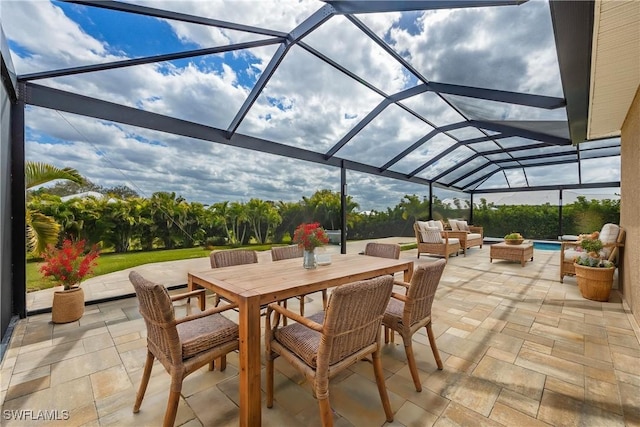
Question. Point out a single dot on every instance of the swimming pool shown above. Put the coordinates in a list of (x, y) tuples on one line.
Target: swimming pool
[(546, 246), (537, 244)]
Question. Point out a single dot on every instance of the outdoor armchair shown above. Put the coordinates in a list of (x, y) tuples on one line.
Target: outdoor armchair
[(612, 237), (469, 235), (183, 345), (328, 342), (433, 241), (408, 313)]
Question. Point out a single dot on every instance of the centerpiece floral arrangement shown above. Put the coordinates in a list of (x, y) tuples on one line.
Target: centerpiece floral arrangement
[(309, 236), (592, 256), (69, 264)]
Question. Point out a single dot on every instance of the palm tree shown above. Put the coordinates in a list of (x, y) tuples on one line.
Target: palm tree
[(42, 229)]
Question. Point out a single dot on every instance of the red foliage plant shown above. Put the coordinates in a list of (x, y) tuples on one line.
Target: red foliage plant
[(310, 236), (69, 264)]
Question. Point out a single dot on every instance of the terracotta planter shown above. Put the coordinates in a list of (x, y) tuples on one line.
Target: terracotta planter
[(594, 283), (68, 306)]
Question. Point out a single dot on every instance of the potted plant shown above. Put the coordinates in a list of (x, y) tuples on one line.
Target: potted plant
[(593, 274), (68, 265), (513, 239), (309, 237)]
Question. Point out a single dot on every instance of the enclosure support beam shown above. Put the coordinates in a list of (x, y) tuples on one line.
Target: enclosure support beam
[(18, 208), (343, 209)]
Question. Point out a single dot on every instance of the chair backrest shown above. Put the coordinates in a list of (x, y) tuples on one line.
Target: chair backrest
[(353, 317), (608, 236), (228, 258), (613, 252), (427, 234), (458, 225), (422, 291), (278, 253), (383, 250), (157, 310)]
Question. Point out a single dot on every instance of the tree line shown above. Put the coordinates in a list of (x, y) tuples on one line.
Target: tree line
[(123, 221)]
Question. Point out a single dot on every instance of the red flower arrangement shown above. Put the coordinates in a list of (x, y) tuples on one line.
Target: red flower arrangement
[(310, 236), (69, 265)]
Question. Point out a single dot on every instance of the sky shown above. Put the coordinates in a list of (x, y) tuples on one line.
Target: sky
[(306, 103)]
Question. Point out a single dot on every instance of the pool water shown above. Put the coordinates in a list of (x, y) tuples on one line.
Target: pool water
[(546, 246)]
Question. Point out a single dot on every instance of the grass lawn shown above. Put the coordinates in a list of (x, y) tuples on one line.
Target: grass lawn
[(110, 262)]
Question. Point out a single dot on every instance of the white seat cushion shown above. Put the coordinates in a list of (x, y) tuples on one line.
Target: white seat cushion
[(472, 236), (572, 254), (452, 240)]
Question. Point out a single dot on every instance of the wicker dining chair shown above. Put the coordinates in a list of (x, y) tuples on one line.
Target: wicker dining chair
[(382, 250), (328, 342), (181, 345), (279, 253), (228, 258), (406, 314)]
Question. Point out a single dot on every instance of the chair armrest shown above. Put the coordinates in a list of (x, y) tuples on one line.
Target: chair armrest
[(401, 283), (476, 229), (462, 235), (398, 296), (206, 313), (568, 244), (178, 297), (293, 316)]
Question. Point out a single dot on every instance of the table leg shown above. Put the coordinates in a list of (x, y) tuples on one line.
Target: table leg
[(249, 331), (408, 273), (202, 299)]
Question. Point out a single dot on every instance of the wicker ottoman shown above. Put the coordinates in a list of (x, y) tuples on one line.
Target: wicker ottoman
[(522, 252)]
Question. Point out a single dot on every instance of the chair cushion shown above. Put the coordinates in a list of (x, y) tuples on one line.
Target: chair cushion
[(431, 235), (472, 236), (452, 240), (571, 254), (436, 224), (393, 313), (422, 225), (608, 235), (463, 226), (302, 341), (205, 333), (454, 224)]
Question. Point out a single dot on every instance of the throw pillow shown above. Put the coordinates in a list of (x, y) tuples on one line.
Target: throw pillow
[(431, 235)]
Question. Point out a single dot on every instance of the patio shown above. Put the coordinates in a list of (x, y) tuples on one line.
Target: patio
[(519, 348)]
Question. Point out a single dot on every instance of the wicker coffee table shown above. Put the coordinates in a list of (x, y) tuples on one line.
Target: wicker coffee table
[(522, 252)]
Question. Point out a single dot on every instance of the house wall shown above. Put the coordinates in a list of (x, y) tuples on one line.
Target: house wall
[(630, 205)]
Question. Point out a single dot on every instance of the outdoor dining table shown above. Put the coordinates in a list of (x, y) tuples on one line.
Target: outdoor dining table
[(254, 285)]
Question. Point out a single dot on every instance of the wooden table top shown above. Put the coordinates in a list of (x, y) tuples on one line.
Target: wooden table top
[(274, 281)]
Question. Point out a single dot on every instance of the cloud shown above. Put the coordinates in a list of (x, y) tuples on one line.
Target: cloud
[(306, 103)]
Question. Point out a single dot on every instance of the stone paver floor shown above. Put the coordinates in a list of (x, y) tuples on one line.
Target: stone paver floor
[(519, 349)]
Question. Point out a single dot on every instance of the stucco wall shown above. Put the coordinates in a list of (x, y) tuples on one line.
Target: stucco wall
[(630, 205)]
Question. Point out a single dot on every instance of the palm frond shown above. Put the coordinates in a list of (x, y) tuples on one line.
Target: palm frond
[(37, 173), (41, 231)]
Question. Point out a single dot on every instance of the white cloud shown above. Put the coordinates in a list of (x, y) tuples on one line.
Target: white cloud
[(307, 103)]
